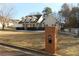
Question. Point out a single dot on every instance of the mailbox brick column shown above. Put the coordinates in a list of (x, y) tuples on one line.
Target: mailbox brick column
[(50, 39)]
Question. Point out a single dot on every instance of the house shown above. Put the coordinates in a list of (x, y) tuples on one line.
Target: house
[(37, 21), (18, 25), (11, 23), (32, 22), (7, 23)]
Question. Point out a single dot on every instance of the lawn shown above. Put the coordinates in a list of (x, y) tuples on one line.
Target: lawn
[(67, 45), (7, 51), (23, 39)]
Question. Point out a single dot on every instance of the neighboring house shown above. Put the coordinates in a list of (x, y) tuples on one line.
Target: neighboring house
[(9, 23), (37, 21), (0, 25), (18, 25), (32, 22)]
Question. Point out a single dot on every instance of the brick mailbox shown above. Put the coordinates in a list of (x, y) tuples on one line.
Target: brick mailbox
[(50, 39)]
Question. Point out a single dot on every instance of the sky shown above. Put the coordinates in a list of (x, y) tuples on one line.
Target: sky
[(23, 9)]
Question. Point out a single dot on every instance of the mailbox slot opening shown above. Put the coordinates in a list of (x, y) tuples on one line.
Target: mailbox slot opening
[(49, 39)]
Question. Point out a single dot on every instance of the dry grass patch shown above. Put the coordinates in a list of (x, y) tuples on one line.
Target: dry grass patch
[(23, 39), (67, 45)]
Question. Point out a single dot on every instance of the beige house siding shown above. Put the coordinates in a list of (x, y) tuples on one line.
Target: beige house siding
[(27, 25), (49, 20)]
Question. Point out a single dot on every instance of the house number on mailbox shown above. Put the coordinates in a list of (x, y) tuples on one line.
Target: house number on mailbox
[(49, 39)]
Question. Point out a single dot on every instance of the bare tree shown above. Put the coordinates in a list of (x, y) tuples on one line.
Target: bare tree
[(5, 14)]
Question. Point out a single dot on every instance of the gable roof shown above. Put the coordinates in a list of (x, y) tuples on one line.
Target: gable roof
[(40, 19), (32, 18)]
